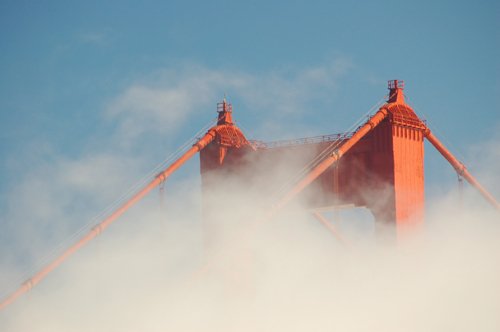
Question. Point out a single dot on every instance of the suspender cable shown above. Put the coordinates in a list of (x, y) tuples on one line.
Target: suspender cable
[(96, 230), (327, 162), (460, 168), (330, 227), (324, 153)]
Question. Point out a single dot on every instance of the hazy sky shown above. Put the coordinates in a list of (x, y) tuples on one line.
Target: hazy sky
[(94, 93), (62, 62)]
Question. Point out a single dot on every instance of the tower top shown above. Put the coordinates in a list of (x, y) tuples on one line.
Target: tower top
[(396, 94), (225, 111)]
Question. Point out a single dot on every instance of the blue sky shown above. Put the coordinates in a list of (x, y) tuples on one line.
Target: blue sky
[(106, 83), (61, 61)]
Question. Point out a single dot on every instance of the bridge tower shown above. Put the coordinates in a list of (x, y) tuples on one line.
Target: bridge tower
[(396, 154), (383, 172)]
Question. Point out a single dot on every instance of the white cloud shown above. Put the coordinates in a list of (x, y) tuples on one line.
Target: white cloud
[(136, 276), (166, 103)]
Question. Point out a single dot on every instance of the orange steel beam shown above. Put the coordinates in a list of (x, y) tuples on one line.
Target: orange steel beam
[(329, 226), (327, 162), (96, 230), (460, 168)]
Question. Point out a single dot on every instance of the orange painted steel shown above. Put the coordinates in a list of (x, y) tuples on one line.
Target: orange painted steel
[(96, 230), (330, 227), (460, 168), (327, 162)]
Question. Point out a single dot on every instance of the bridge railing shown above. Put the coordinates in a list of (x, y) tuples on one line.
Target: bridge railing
[(300, 141)]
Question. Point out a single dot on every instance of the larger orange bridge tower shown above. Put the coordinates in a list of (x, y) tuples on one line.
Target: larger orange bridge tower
[(383, 170)]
